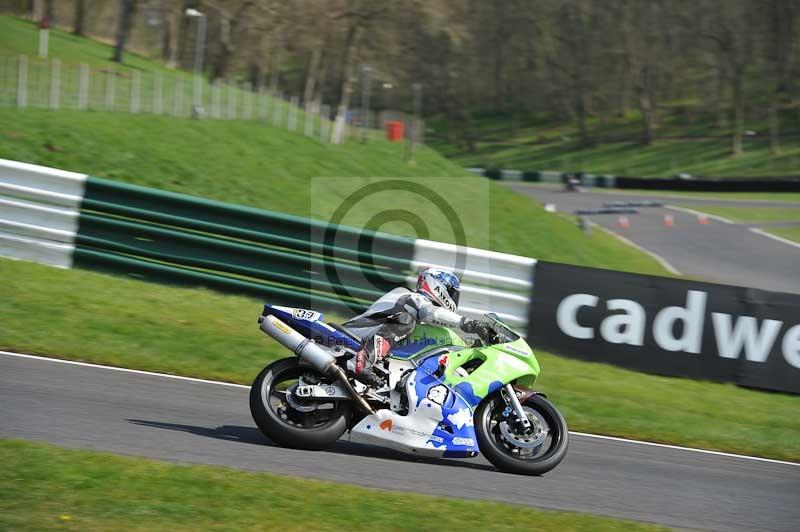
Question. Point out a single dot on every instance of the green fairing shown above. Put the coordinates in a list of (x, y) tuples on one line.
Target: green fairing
[(513, 361)]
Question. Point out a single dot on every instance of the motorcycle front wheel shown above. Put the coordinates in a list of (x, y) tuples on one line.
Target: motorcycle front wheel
[(291, 421), (531, 452)]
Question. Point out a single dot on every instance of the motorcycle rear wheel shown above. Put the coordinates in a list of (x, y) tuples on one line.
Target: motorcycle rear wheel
[(288, 423), (505, 450)]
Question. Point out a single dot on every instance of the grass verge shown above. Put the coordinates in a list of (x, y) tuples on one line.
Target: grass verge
[(751, 214), (791, 233), (43, 487), (86, 316)]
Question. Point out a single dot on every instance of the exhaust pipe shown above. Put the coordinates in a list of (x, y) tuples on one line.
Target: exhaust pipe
[(317, 357)]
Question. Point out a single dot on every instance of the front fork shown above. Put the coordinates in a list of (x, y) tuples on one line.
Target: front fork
[(513, 401)]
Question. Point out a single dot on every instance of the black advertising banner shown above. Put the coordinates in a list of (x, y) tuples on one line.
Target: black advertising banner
[(668, 326)]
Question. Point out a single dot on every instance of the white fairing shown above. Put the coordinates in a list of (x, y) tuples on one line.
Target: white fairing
[(412, 433)]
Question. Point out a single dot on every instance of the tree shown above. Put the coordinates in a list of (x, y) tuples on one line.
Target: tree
[(127, 10), (730, 32), (571, 58), (50, 11), (80, 15), (358, 18), (781, 54)]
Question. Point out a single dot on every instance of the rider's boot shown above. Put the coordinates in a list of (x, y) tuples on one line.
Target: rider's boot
[(375, 350)]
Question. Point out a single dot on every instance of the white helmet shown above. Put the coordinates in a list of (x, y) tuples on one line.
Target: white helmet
[(441, 287)]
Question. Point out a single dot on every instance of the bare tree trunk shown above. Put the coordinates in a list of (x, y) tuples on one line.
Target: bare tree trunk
[(337, 137), (49, 11), (774, 128), (719, 102), (738, 112), (166, 41), (275, 68), (647, 105), (311, 76), (625, 89), (80, 15), (580, 111), (646, 108), (173, 23), (127, 9)]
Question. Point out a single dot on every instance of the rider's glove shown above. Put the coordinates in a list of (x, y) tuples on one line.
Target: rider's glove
[(483, 330)]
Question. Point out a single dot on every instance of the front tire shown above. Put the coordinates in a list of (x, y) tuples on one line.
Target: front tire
[(285, 424), (522, 454)]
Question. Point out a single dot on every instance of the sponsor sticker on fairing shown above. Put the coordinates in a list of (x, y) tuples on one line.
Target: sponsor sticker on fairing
[(466, 442), (438, 394)]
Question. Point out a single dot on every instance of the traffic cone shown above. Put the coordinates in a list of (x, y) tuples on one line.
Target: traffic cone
[(702, 219), (623, 222), (669, 220)]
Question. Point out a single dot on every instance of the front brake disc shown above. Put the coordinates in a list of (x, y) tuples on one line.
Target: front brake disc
[(530, 440)]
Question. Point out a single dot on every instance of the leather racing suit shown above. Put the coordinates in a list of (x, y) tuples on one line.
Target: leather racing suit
[(393, 317)]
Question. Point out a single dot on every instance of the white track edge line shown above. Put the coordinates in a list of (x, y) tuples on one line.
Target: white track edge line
[(206, 381), (767, 234), (700, 213), (681, 448), (661, 260), (124, 370)]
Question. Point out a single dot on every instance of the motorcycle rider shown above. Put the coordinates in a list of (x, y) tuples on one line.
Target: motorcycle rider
[(393, 317)]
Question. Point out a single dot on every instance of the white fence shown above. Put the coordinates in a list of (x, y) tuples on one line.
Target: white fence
[(51, 84)]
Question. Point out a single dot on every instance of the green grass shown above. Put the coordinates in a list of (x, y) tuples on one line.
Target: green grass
[(268, 167), (752, 214), (87, 316), (43, 487), (792, 233), (544, 144)]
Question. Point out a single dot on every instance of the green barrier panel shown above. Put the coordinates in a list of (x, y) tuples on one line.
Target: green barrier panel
[(175, 238), (249, 218), (90, 206), (175, 246), (162, 273)]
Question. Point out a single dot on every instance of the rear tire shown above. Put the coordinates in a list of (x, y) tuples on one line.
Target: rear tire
[(504, 455), (284, 424)]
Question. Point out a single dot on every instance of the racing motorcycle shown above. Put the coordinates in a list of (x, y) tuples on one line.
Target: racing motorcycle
[(438, 396)]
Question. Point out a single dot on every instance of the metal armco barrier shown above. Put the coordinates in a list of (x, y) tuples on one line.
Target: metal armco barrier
[(761, 184), (65, 219), (746, 184), (39, 213), (669, 326)]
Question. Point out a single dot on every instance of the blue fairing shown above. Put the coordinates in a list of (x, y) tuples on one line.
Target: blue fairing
[(456, 430), (406, 350), (315, 329)]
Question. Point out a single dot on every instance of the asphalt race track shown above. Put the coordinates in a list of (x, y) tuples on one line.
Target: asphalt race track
[(200, 422), (716, 252)]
